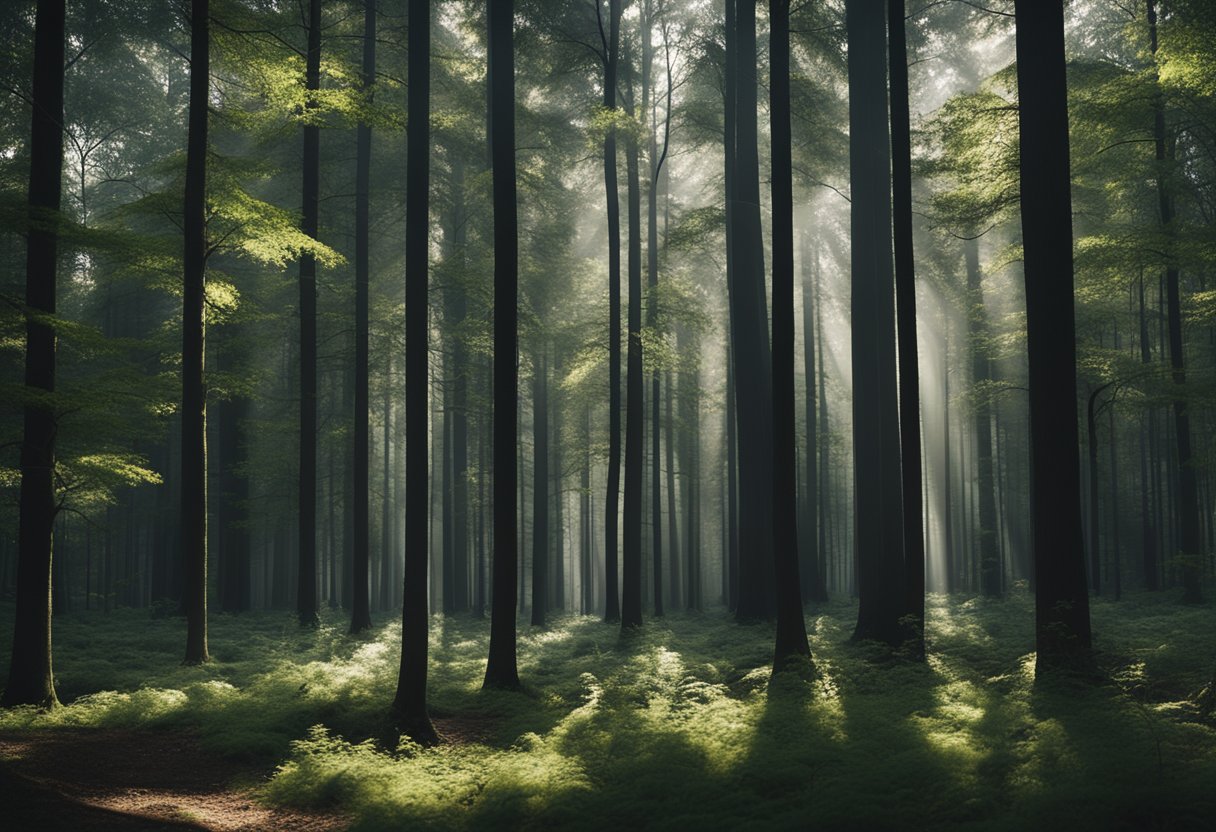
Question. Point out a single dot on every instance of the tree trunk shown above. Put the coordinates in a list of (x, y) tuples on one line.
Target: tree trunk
[(981, 374), (905, 293), (631, 585), (306, 597), (652, 281), (409, 706), (730, 86), (876, 444), (501, 670), (360, 616), (791, 640), (749, 332), (612, 610), (1062, 626), (540, 487), (194, 395)]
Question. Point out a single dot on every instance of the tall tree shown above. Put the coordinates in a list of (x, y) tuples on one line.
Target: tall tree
[(791, 640), (631, 585), (905, 294), (194, 393), (306, 597), (409, 705), (652, 283), (811, 572), (749, 337), (360, 612), (1191, 560), (981, 373), (1062, 627), (876, 445), (612, 48), (501, 669), (30, 681)]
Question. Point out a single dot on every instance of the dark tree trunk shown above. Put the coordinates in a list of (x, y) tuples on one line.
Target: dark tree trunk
[(749, 333), (905, 293), (360, 614), (409, 706), (501, 670), (631, 584), (386, 503), (456, 310), (194, 395), (540, 487), (981, 374), (673, 514), (306, 597), (878, 520), (30, 680), (1062, 625), (612, 611), (1147, 527), (810, 538), (557, 597), (791, 640)]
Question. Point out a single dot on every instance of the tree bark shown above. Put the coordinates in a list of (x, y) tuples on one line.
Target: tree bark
[(791, 642), (30, 679), (1062, 627), (501, 670), (612, 611), (882, 588), (631, 584), (409, 706)]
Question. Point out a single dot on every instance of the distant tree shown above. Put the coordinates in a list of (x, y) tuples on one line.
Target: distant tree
[(360, 615), (410, 703), (30, 680), (501, 669), (791, 640), (1062, 627), (876, 446), (194, 394)]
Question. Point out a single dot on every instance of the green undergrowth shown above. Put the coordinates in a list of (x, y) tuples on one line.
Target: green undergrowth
[(677, 726)]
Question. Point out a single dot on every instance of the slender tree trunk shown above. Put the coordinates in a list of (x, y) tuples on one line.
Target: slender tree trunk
[(360, 617), (501, 670), (981, 374), (612, 610), (652, 282), (386, 501), (540, 487), (409, 705), (673, 514), (791, 640), (194, 396), (306, 597), (631, 585), (730, 87), (905, 292), (814, 583), (1062, 626), (30, 680), (878, 521)]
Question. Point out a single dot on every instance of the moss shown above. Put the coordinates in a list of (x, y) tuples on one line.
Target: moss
[(680, 725)]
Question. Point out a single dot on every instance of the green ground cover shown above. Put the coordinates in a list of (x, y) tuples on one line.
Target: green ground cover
[(678, 726)]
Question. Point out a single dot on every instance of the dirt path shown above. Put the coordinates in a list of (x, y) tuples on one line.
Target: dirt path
[(134, 780)]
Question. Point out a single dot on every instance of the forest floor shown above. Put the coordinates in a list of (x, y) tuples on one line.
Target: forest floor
[(676, 726)]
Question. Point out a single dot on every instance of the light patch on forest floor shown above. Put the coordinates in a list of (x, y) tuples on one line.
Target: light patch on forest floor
[(123, 779)]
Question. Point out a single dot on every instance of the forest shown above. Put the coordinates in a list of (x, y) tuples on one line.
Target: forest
[(595, 414)]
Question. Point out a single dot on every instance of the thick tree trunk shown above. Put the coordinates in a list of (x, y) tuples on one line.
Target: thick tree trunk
[(194, 395), (878, 516), (905, 293), (749, 332), (409, 706), (791, 640), (1062, 626), (360, 616), (306, 597), (501, 670), (30, 680)]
